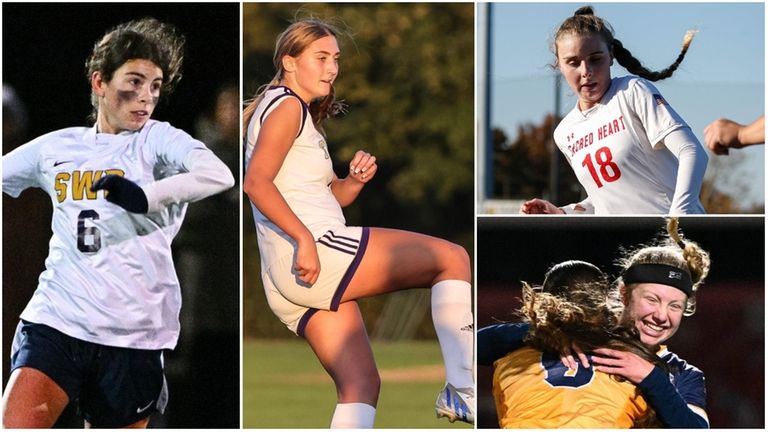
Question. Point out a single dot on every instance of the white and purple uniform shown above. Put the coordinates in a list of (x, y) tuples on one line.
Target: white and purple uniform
[(304, 180)]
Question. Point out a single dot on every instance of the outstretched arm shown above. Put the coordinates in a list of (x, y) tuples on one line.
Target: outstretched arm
[(207, 175), (723, 134)]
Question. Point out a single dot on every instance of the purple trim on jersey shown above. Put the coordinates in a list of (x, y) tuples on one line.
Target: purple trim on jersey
[(350, 271), (305, 320), (287, 92)]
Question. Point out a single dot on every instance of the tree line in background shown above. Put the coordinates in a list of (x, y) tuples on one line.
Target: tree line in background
[(407, 76), (521, 171)]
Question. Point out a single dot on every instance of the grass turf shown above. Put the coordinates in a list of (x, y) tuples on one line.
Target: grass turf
[(284, 385)]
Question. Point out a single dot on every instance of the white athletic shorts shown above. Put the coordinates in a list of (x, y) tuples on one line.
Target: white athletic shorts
[(293, 301)]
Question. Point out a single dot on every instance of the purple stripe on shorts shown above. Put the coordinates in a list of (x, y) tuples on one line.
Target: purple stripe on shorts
[(342, 237), (304, 321), (350, 271), (330, 238), (335, 247)]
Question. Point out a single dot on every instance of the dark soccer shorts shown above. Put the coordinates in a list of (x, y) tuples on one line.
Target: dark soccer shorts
[(112, 387)]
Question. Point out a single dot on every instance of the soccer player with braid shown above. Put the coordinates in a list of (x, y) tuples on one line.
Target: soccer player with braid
[(314, 267), (631, 151), (657, 288), (108, 302)]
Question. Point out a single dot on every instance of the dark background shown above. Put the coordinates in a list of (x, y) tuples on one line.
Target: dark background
[(726, 336), (44, 51)]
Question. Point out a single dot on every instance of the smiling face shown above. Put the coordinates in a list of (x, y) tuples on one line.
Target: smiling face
[(127, 101), (312, 73), (585, 62), (656, 311)]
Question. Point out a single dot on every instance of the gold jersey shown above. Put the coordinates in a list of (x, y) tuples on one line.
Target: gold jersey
[(533, 389)]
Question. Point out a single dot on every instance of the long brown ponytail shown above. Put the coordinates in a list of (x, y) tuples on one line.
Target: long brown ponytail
[(584, 22)]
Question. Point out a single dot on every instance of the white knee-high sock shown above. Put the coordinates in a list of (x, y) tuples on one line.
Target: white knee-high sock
[(353, 416), (454, 324)]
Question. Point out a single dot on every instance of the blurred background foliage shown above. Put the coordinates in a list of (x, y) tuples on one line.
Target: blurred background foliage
[(407, 76), (521, 168)]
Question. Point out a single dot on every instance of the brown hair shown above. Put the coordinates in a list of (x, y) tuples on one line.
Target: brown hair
[(589, 318), (586, 316), (584, 22), (292, 42), (146, 39), (676, 251), (562, 277)]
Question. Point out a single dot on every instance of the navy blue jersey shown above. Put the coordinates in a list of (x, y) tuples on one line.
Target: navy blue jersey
[(496, 341), (688, 379)]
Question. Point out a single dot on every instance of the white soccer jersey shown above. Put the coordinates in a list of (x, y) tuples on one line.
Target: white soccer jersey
[(109, 275), (304, 180), (617, 151)]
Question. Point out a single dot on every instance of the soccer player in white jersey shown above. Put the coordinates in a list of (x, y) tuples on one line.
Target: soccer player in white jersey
[(313, 265), (632, 153), (108, 301)]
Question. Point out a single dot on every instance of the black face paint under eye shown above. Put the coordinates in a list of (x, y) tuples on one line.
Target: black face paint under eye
[(130, 96), (127, 96)]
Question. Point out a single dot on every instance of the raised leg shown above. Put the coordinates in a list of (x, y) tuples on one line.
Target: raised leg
[(396, 260)]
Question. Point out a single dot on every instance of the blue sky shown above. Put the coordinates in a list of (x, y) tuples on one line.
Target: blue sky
[(721, 76)]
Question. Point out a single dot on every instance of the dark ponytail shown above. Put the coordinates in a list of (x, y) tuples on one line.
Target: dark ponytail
[(633, 65), (584, 22)]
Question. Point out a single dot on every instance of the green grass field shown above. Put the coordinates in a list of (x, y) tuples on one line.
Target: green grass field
[(284, 385)]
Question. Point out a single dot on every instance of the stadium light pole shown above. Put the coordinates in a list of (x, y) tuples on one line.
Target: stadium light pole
[(485, 134)]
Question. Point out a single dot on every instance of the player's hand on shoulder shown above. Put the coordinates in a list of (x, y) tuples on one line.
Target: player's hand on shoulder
[(629, 365), (568, 359), (539, 206), (123, 192), (363, 167)]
